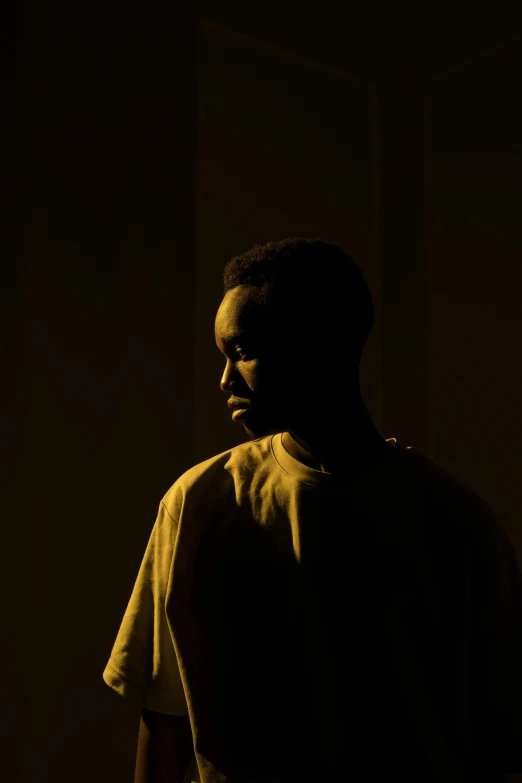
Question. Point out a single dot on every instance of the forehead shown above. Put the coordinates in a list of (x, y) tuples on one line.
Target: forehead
[(239, 312)]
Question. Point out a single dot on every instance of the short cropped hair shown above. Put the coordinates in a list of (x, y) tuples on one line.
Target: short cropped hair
[(311, 280)]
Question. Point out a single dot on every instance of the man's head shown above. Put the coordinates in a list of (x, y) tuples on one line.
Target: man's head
[(292, 326)]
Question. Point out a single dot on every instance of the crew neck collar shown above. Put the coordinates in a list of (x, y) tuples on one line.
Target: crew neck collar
[(338, 482)]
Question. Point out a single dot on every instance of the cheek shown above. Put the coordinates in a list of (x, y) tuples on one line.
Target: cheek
[(249, 372), (251, 377), (276, 380)]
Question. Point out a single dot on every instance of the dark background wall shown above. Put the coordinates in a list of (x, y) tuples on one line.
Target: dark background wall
[(143, 147)]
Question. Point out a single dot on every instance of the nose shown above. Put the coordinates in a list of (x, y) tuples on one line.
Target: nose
[(225, 382)]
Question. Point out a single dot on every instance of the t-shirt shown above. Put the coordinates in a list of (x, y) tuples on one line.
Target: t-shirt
[(320, 627)]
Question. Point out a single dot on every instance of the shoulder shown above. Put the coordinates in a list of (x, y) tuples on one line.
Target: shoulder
[(218, 476), (449, 498)]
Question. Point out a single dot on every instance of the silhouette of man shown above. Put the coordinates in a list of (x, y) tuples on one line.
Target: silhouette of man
[(319, 603)]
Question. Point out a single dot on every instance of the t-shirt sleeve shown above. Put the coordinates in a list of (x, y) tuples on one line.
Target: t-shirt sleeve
[(500, 649), (143, 664)]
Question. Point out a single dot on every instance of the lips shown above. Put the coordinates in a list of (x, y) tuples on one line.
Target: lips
[(237, 404), (240, 413)]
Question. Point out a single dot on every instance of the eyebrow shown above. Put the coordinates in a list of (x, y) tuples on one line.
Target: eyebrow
[(236, 336)]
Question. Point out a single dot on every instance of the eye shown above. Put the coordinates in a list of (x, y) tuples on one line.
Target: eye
[(245, 357)]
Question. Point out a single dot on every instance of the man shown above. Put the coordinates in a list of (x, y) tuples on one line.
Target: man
[(319, 603)]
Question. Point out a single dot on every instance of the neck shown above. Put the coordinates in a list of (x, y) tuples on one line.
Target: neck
[(338, 445)]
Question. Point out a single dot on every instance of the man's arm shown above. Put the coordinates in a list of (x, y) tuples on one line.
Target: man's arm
[(165, 748)]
